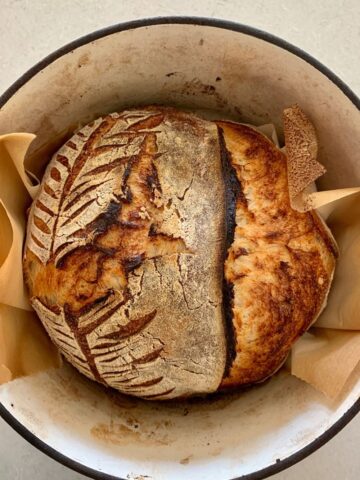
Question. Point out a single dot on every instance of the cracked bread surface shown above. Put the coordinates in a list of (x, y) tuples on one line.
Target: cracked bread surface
[(164, 259)]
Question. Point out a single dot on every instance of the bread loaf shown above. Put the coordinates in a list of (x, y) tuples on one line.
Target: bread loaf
[(163, 257)]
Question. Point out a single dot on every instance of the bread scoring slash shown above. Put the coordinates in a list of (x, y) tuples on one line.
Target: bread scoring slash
[(164, 259)]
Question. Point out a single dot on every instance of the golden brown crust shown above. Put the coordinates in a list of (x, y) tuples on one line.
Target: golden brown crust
[(125, 252), (122, 255), (280, 264)]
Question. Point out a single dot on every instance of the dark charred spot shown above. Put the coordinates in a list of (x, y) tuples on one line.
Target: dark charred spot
[(239, 275), (125, 188), (241, 251), (127, 170), (130, 225), (217, 79), (273, 235), (132, 263), (108, 252), (284, 265), (104, 297), (230, 334), (102, 222), (152, 181), (82, 297), (134, 215), (105, 220), (152, 231), (128, 196), (233, 190)]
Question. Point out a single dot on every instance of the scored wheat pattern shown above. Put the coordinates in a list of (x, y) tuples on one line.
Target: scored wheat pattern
[(78, 188), (82, 193)]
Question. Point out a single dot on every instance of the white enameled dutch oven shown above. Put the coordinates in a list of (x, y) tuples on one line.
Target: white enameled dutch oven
[(238, 72)]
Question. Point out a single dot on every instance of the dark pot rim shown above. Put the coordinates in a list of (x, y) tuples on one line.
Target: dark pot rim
[(279, 465)]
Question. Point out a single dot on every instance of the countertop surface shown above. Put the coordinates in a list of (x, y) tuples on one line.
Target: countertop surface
[(327, 29)]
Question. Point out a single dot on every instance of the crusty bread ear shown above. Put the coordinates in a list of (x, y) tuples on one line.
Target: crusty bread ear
[(124, 256), (302, 151), (280, 264)]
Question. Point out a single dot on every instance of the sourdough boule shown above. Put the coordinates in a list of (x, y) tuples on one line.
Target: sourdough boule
[(164, 259)]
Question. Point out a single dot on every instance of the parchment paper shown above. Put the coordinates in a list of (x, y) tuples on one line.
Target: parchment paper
[(14, 199), (324, 358), (25, 348)]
